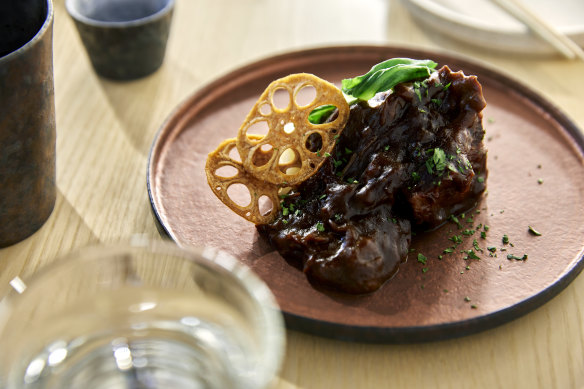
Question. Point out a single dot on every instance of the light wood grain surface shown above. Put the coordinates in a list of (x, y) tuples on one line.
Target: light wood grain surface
[(105, 130)]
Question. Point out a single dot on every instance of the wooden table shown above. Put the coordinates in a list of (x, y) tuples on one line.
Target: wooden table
[(105, 130)]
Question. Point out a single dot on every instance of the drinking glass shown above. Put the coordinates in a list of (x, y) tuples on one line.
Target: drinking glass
[(139, 316)]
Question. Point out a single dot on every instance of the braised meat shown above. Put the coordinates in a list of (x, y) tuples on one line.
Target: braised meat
[(407, 159)]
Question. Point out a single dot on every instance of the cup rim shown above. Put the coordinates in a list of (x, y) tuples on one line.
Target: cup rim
[(218, 260), (72, 11), (38, 36)]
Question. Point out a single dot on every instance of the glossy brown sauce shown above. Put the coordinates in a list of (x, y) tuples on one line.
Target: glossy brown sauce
[(406, 161)]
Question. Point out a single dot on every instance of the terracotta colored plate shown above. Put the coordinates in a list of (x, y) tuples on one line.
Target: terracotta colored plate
[(528, 140)]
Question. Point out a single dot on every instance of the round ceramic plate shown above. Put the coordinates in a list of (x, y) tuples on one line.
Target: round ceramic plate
[(536, 165), (482, 23)]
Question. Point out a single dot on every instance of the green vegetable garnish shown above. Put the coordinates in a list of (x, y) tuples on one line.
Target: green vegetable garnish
[(422, 259), (385, 75), (382, 77), (320, 114), (320, 227)]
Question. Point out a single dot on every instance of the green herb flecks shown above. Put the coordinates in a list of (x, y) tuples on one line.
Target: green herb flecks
[(533, 231), (457, 239), (320, 227), (471, 254), (455, 220), (422, 258), (523, 258), (475, 244)]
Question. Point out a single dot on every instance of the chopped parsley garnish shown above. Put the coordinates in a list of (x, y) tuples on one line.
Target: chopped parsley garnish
[(448, 250), (472, 255), (505, 239), (533, 231), (422, 259), (455, 220), (320, 227), (523, 258), (457, 239), (475, 244)]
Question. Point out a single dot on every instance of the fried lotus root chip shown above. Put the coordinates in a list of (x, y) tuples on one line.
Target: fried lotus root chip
[(293, 148), (224, 172)]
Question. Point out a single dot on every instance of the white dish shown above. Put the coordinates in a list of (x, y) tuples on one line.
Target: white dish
[(482, 23)]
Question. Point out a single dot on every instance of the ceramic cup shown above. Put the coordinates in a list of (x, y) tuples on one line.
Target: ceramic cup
[(27, 118), (125, 39)]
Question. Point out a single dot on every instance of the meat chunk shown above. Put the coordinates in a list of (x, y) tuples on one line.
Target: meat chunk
[(407, 159)]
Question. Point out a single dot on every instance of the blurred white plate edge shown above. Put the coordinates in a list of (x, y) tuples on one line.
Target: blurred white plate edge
[(509, 36)]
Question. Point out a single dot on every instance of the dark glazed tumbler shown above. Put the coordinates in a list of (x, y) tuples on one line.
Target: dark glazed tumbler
[(125, 39), (27, 118)]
